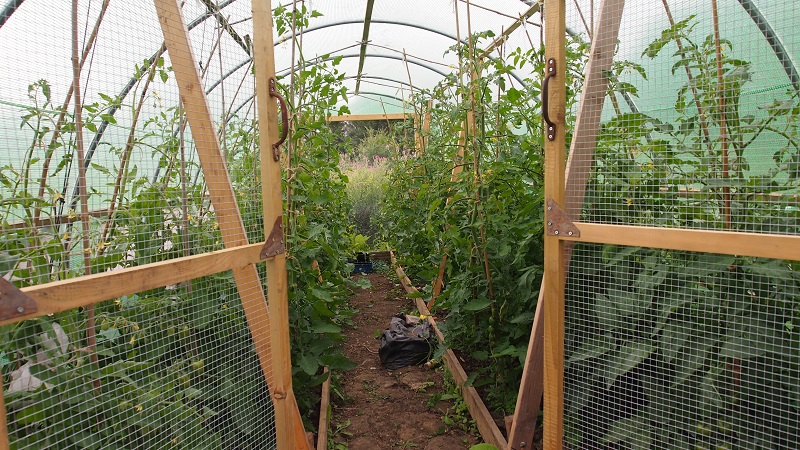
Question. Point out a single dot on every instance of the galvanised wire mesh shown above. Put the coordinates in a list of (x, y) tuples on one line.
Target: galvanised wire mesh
[(674, 349), (174, 367)]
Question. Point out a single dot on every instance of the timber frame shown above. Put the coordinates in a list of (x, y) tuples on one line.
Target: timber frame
[(566, 186), (268, 320)]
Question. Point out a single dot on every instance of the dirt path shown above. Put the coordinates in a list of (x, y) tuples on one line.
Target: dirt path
[(388, 409)]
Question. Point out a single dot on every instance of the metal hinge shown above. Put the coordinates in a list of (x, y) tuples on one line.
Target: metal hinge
[(274, 244)]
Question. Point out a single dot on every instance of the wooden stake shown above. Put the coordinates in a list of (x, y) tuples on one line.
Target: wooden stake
[(723, 123), (467, 130), (701, 114), (84, 215), (123, 164), (426, 127), (60, 121)]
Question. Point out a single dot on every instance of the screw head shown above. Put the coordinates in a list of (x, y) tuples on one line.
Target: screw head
[(549, 208), (555, 232), (570, 233), (20, 310), (549, 224)]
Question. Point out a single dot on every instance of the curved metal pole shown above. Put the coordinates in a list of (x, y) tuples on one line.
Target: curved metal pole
[(362, 93), (371, 55), (372, 77), (124, 93), (229, 73), (774, 41), (394, 22), (8, 10)]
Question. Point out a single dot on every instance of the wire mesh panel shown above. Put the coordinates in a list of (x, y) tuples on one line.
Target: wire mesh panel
[(172, 367), (699, 126), (690, 125), (668, 349)]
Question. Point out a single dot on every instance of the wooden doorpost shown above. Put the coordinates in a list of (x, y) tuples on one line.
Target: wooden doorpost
[(287, 416), (581, 156), (554, 149)]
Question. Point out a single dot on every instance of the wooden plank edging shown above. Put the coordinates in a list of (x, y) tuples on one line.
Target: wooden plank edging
[(324, 413), (489, 430)]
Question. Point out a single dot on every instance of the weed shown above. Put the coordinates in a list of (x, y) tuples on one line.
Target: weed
[(338, 436)]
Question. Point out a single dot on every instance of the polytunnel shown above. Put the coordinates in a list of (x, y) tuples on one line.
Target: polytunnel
[(594, 203)]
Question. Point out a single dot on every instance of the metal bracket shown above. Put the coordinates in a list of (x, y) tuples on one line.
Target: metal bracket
[(558, 222), (275, 243), (13, 302)]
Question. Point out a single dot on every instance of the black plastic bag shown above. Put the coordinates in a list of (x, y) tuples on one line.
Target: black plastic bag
[(406, 343)]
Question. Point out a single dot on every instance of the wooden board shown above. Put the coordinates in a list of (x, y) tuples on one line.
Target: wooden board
[(477, 409), (88, 290), (324, 414), (587, 125), (526, 411), (291, 434), (555, 31), (722, 242)]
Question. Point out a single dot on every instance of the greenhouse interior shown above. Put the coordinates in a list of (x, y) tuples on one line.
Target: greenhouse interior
[(593, 207)]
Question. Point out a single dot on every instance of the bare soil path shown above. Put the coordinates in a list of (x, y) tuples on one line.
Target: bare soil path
[(387, 409)]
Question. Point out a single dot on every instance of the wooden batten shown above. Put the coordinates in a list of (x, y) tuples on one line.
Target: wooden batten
[(288, 423), (710, 241), (555, 31), (477, 409), (511, 28), (587, 125), (88, 290)]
